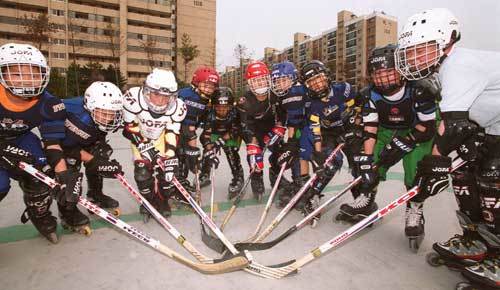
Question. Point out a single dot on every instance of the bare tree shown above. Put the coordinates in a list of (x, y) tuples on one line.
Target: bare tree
[(115, 41), (150, 47), (241, 53), (188, 52), (38, 28), (72, 26)]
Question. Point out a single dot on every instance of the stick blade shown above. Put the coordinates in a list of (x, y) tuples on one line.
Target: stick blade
[(212, 242)]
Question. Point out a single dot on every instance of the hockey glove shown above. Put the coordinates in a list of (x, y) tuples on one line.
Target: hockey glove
[(70, 187), (254, 157), (105, 168), (275, 135), (393, 152), (11, 155), (289, 153), (148, 151), (210, 156), (170, 167), (432, 174)]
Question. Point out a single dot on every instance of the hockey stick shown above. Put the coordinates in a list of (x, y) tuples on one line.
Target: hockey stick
[(212, 192), (218, 267), (375, 216), (295, 198), (268, 206), (207, 239), (163, 221), (254, 267), (299, 225), (242, 192)]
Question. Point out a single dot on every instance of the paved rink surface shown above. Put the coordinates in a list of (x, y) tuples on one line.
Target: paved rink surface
[(377, 258)]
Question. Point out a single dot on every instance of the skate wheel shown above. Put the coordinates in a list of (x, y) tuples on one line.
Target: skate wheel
[(414, 245), (53, 238), (116, 212), (465, 286), (86, 231), (434, 259), (314, 223)]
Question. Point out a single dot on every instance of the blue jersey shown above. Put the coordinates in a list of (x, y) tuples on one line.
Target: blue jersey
[(81, 130), (327, 113), (47, 113), (294, 106), (196, 106)]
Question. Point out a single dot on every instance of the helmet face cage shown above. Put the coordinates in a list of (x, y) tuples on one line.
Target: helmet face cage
[(260, 85), (386, 80), (25, 80), (107, 120), (206, 88), (159, 100), (281, 84), (318, 84), (418, 61)]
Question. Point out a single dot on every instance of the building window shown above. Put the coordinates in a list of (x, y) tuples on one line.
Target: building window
[(58, 41), (57, 12), (198, 3), (58, 55)]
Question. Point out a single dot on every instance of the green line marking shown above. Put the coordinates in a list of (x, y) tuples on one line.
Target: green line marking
[(17, 233)]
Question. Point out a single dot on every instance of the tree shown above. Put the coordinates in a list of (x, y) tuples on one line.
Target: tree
[(115, 41), (241, 53), (73, 80), (188, 52), (110, 75), (149, 46), (57, 84), (38, 28)]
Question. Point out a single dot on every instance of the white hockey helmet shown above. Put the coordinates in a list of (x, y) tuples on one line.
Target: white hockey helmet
[(28, 61), (422, 42), (160, 90), (104, 101)]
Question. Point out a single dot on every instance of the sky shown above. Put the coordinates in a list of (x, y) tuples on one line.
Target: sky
[(271, 23)]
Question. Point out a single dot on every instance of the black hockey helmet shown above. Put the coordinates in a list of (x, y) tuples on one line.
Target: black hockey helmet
[(382, 70), (316, 77), (223, 101)]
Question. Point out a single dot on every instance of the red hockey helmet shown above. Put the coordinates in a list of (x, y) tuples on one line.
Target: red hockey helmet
[(258, 78), (256, 69), (205, 74)]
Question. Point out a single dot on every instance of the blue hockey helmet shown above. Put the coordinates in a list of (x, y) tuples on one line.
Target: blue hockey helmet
[(283, 77)]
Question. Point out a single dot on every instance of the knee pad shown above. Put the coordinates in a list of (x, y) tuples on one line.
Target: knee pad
[(489, 188), (466, 192), (143, 175), (37, 203), (30, 185)]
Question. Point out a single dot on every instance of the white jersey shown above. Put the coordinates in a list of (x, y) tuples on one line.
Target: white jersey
[(471, 82), (152, 126)]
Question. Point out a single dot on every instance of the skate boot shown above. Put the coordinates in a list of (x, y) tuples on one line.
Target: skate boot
[(414, 224), (285, 197), (37, 210), (164, 208), (483, 275), (74, 220), (309, 207), (236, 185), (257, 184), (177, 197), (361, 207), (104, 201), (460, 250)]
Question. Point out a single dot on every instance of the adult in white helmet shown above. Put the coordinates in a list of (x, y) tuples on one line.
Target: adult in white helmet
[(470, 104), (89, 118), (25, 104), (152, 116)]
